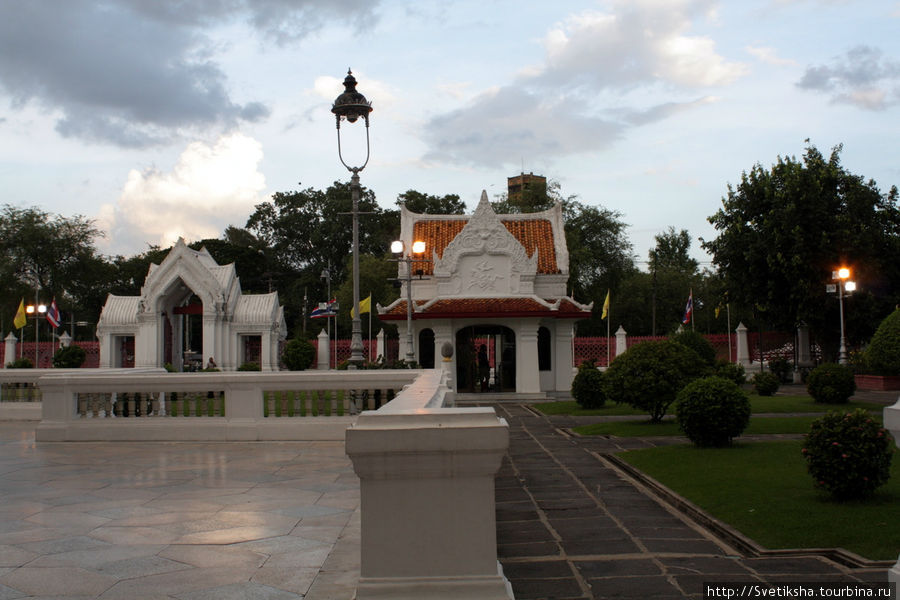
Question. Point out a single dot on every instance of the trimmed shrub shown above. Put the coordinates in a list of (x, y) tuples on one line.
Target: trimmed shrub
[(649, 375), (848, 454), (712, 411), (21, 363), (70, 357), (587, 386), (298, 354), (781, 368), (731, 371), (766, 384), (831, 383), (698, 344), (247, 366), (882, 357)]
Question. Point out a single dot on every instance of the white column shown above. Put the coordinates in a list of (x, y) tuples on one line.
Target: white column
[(743, 348), (379, 344), (323, 351), (621, 341), (563, 362), (10, 349), (528, 377)]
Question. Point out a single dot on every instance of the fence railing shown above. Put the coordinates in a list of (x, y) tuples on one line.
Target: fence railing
[(155, 405)]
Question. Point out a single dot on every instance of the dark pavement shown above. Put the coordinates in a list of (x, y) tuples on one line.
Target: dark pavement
[(570, 524)]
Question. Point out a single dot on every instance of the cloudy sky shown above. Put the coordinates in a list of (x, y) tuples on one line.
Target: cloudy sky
[(172, 118)]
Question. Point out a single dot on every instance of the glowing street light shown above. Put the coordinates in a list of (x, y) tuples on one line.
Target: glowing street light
[(36, 310), (398, 248), (844, 286)]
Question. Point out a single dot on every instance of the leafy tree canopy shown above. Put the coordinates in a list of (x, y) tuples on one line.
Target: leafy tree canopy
[(783, 230), (417, 202)]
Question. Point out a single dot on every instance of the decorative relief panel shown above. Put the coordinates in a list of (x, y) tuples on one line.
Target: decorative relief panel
[(485, 258)]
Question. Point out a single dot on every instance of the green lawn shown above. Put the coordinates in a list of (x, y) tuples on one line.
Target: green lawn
[(762, 489)]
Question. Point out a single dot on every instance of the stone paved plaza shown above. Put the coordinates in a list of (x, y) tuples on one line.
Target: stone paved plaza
[(192, 521)]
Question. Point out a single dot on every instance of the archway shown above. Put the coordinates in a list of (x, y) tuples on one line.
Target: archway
[(499, 353)]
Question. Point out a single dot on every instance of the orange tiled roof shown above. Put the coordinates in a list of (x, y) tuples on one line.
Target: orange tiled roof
[(485, 307), (532, 234)]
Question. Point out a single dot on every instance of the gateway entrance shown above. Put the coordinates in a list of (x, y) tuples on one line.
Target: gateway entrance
[(486, 359)]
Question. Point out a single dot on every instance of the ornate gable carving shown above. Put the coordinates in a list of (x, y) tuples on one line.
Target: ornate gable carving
[(485, 259)]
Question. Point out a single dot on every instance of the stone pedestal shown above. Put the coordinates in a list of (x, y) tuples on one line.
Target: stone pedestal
[(427, 503), (324, 351), (9, 349), (621, 341)]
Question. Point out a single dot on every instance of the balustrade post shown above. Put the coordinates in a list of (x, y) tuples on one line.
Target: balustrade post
[(10, 349), (322, 362), (621, 341), (428, 525)]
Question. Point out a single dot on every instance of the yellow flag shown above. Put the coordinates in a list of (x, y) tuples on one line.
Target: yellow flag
[(365, 306), (605, 306), (20, 320)]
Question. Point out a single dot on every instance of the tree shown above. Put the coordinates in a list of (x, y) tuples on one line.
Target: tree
[(782, 231), (417, 202), (53, 255), (671, 252)]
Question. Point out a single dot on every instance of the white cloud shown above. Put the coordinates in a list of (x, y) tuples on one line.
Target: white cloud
[(862, 76), (210, 187), (639, 54), (768, 55)]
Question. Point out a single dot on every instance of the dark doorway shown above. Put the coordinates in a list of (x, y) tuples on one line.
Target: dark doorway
[(426, 349), (485, 359)]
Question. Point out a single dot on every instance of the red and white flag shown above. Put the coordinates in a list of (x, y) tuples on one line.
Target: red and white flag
[(53, 315)]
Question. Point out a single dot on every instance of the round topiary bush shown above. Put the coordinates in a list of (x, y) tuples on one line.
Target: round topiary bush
[(247, 366), (69, 357), (712, 411), (698, 344), (587, 386), (298, 354), (649, 375), (848, 454), (882, 357), (731, 371), (781, 368), (830, 383), (766, 384)]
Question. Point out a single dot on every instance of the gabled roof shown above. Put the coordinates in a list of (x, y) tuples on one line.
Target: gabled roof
[(540, 233), (533, 234)]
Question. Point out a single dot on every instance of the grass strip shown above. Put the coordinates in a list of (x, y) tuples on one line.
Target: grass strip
[(762, 489), (758, 426)]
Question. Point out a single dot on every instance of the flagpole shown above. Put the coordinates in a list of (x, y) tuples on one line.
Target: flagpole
[(728, 316), (369, 353), (608, 319)]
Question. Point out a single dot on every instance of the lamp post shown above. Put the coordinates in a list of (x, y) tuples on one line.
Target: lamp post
[(36, 310), (398, 249), (350, 106), (841, 276)]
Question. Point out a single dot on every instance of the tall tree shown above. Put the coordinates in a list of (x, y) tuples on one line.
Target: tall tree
[(782, 231), (672, 251)]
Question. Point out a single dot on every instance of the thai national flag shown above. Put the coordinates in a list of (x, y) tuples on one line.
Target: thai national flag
[(689, 309), (326, 309), (53, 315)]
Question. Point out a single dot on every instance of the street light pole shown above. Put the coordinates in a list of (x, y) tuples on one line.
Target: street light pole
[(399, 249), (350, 106), (842, 275)]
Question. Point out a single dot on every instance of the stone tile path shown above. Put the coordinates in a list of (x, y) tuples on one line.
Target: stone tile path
[(176, 520), (572, 526)]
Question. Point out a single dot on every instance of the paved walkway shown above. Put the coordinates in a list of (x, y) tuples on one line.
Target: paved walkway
[(192, 521), (572, 526)]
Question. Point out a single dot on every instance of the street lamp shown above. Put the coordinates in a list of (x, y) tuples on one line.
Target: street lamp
[(841, 276), (350, 106), (398, 249), (36, 310)]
